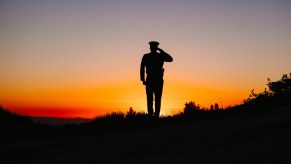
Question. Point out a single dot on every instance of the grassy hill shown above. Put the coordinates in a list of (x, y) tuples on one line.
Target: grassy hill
[(251, 138)]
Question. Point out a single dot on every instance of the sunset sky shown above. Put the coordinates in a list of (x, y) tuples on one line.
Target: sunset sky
[(81, 58)]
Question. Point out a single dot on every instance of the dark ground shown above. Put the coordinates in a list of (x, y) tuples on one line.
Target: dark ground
[(252, 138), (59, 121)]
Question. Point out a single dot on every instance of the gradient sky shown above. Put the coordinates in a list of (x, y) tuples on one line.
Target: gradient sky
[(69, 58)]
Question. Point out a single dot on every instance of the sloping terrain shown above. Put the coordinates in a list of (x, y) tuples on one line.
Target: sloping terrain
[(263, 137)]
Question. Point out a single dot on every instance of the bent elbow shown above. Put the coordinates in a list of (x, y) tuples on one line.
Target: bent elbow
[(170, 60)]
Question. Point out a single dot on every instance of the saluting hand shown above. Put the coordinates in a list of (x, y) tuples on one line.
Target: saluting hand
[(160, 50)]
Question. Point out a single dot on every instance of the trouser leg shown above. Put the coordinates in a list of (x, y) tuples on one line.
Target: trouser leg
[(149, 92), (158, 97)]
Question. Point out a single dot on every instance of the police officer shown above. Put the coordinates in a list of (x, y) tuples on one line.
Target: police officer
[(153, 64)]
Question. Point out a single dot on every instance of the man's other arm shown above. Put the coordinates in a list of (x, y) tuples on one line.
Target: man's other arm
[(142, 70), (167, 57)]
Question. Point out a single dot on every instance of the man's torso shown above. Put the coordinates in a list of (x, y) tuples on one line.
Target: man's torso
[(154, 65)]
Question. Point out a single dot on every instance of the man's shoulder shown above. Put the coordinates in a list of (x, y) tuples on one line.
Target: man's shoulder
[(146, 55)]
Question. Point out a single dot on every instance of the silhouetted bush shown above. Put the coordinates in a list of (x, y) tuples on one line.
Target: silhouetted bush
[(130, 113), (277, 92), (190, 107), (280, 87)]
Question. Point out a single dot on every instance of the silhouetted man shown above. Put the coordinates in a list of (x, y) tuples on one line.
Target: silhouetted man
[(153, 63)]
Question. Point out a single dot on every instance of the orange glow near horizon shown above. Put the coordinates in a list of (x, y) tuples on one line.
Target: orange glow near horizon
[(92, 101)]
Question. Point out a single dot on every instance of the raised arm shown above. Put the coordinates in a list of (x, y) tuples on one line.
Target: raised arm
[(167, 57)]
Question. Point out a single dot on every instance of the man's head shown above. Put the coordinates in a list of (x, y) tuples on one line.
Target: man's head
[(154, 46)]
